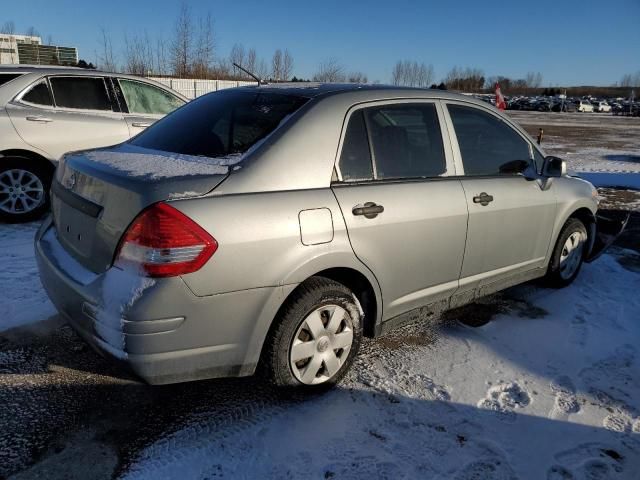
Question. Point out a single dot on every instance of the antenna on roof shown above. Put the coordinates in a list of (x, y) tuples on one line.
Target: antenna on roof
[(256, 78)]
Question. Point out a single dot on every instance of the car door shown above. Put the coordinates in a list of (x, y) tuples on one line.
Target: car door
[(144, 103), (405, 211), (510, 216), (65, 113)]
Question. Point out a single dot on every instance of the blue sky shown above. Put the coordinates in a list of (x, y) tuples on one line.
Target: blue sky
[(572, 42)]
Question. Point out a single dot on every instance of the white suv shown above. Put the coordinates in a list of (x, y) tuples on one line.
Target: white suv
[(602, 107), (48, 111), (584, 106)]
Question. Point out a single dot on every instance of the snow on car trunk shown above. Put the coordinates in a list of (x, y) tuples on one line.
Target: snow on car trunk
[(98, 193)]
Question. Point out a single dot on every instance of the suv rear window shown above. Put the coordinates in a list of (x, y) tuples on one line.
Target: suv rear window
[(85, 93), (7, 77), (220, 124), (39, 95)]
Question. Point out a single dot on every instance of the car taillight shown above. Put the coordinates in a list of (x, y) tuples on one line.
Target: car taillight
[(164, 242)]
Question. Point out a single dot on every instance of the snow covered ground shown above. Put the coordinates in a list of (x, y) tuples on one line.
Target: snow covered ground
[(547, 389), (23, 300)]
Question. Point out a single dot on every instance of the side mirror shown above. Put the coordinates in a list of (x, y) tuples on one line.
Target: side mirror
[(554, 167)]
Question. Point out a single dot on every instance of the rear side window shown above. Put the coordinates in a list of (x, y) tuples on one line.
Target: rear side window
[(39, 95), (406, 141), (148, 99), (487, 144), (84, 93), (7, 77), (355, 159), (219, 124)]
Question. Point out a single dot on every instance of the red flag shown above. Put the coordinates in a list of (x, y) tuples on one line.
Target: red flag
[(500, 103)]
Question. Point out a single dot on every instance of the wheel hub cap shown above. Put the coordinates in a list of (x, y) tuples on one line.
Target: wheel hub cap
[(571, 254), (321, 344), (21, 191)]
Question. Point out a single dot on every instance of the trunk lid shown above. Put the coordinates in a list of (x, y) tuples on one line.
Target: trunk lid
[(97, 193)]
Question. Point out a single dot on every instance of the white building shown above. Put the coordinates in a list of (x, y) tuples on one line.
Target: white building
[(27, 49)]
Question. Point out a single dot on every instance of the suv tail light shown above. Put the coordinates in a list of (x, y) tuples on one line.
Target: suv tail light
[(164, 242)]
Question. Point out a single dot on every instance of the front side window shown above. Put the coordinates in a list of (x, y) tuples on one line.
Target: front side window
[(487, 144), (406, 141), (84, 93), (219, 124), (39, 94), (148, 99)]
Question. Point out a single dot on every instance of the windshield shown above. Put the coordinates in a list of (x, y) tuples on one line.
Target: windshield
[(220, 124)]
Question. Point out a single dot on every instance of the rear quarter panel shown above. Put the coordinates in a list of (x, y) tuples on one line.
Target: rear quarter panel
[(260, 244)]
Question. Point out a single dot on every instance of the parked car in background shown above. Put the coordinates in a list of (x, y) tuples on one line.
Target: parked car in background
[(269, 228), (48, 111), (566, 106), (584, 106), (601, 106)]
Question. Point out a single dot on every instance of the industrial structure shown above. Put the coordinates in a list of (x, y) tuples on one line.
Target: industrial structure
[(26, 49)]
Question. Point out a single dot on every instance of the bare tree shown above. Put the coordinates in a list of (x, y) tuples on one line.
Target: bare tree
[(237, 54), (139, 56), (412, 74), (329, 70), (252, 60), (205, 47), (357, 77), (107, 59), (277, 66), (181, 48), (630, 80), (160, 67), (287, 65), (468, 79), (533, 79), (32, 32)]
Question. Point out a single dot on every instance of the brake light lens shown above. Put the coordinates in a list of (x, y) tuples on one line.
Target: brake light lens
[(164, 242)]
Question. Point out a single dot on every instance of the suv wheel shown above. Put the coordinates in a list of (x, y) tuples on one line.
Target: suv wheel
[(24, 190), (568, 254), (316, 337)]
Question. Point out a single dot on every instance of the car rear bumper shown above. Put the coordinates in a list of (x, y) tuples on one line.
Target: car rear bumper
[(159, 329)]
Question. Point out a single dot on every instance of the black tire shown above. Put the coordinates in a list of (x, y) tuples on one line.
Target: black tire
[(38, 170), (313, 294), (554, 277)]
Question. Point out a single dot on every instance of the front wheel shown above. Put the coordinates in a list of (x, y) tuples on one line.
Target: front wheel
[(316, 337), (568, 254), (24, 188)]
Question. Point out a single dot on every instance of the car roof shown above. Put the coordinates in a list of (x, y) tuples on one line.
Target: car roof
[(33, 72), (374, 92)]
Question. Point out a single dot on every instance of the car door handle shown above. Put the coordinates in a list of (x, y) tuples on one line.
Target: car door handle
[(141, 124), (39, 118), (369, 210), (483, 199)]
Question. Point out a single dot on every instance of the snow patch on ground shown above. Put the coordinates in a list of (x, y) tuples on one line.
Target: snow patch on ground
[(553, 396), (22, 300)]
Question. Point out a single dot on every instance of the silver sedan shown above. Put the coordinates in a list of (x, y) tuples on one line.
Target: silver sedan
[(272, 227)]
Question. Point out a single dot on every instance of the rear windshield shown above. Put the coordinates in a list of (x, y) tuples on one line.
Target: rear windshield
[(7, 77), (220, 124)]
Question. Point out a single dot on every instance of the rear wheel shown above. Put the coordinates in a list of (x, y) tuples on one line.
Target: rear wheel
[(568, 254), (24, 190), (316, 337)]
